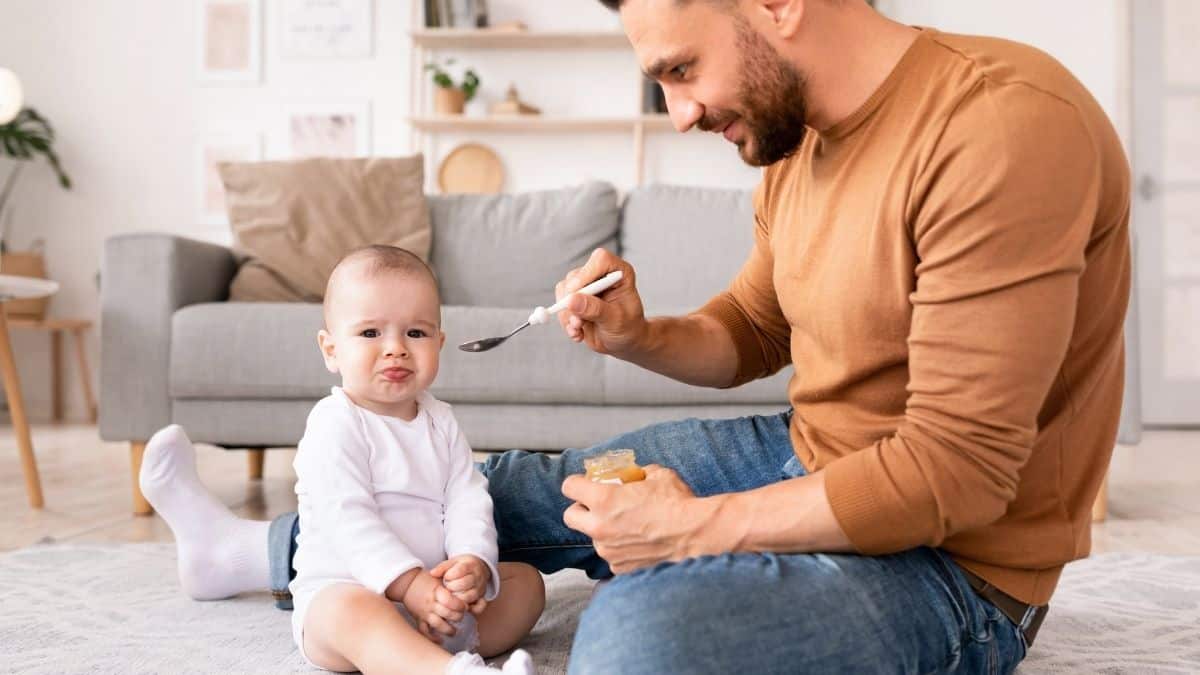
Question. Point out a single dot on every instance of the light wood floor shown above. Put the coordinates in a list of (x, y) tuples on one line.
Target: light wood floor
[(1154, 503)]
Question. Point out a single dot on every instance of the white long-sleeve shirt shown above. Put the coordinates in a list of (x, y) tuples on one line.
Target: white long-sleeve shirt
[(379, 496)]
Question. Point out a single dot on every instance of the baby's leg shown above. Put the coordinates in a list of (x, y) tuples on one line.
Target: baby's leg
[(350, 628), (513, 613)]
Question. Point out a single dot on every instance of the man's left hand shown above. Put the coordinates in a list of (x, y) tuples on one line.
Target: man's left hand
[(639, 524)]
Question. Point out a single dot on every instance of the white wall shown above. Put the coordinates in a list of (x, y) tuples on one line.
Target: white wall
[(117, 78)]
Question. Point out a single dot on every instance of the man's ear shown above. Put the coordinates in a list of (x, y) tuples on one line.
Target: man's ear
[(785, 15), (326, 343)]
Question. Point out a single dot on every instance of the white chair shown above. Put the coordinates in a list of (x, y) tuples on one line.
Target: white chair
[(20, 288)]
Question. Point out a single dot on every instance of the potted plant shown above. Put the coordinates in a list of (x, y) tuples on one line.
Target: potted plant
[(24, 139), (450, 98)]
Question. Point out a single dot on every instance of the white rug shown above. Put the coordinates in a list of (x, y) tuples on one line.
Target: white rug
[(118, 609)]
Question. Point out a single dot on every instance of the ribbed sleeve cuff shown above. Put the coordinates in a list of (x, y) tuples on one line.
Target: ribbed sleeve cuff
[(873, 527), (745, 339)]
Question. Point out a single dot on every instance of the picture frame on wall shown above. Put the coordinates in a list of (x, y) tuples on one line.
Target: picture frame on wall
[(327, 130), (210, 192), (333, 29), (229, 43)]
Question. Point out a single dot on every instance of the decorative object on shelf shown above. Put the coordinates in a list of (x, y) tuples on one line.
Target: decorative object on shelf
[(11, 96), (230, 44), (456, 14), (513, 105), (210, 192), (473, 169), (451, 98), (328, 130), (509, 27), (326, 29)]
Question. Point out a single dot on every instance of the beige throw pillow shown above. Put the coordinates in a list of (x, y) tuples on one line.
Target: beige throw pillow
[(294, 220)]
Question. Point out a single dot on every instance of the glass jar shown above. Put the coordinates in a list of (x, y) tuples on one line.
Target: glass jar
[(615, 466)]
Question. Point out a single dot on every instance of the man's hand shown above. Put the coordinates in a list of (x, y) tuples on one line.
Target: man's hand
[(466, 577), (639, 524), (613, 325), (433, 606)]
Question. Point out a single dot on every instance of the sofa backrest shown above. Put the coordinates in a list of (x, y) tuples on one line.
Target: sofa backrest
[(510, 250), (685, 243)]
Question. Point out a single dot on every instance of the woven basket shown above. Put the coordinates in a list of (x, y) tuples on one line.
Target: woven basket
[(25, 265)]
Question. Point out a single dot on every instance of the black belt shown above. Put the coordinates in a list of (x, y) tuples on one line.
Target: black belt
[(1028, 618)]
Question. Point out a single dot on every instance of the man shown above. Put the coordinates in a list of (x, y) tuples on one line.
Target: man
[(941, 250)]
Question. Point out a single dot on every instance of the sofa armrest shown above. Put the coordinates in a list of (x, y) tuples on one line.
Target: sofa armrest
[(145, 278)]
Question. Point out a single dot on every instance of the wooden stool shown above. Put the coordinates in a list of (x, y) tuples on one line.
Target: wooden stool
[(13, 288), (56, 328)]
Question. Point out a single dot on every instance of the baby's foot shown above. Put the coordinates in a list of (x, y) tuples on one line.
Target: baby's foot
[(519, 663), (466, 663), (219, 554)]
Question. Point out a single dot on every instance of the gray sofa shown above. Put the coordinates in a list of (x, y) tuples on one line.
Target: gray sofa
[(244, 375)]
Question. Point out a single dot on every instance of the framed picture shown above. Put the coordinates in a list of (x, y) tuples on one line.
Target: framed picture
[(327, 130), (230, 40), (210, 202), (315, 29)]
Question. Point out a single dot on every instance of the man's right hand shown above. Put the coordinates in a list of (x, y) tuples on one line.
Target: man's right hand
[(615, 324)]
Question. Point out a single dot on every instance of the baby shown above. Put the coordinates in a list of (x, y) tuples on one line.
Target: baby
[(396, 567)]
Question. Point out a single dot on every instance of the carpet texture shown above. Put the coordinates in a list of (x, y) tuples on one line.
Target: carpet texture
[(118, 609)]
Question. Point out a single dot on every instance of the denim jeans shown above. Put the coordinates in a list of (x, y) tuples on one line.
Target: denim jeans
[(911, 612)]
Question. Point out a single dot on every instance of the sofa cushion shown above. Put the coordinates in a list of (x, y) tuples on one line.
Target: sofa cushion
[(230, 350), (510, 250), (296, 219), (685, 243), (269, 351)]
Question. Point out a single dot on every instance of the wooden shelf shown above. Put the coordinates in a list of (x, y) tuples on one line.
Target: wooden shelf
[(466, 38), (539, 123)]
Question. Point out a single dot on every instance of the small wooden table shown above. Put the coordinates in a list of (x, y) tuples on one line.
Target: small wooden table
[(16, 288), (56, 328)]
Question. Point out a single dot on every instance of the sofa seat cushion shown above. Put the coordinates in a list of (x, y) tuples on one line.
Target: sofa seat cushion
[(233, 350), (248, 350), (269, 351)]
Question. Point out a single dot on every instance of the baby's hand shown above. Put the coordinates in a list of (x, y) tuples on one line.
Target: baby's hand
[(466, 577), (433, 606)]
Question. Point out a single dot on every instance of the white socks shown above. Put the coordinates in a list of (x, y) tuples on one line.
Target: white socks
[(220, 555), (466, 663)]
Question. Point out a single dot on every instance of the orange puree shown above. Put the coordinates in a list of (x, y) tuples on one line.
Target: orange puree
[(614, 466)]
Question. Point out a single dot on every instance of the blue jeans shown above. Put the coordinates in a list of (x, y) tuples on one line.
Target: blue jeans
[(910, 612)]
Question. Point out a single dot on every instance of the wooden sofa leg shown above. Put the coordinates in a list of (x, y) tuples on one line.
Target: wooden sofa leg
[(141, 507), (1100, 506), (255, 463)]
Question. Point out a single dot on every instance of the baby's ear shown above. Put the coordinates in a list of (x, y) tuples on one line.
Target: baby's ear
[(327, 345), (442, 342)]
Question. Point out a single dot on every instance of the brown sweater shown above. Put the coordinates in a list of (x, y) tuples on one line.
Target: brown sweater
[(948, 271)]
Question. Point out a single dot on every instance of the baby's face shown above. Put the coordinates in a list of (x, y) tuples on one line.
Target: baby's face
[(383, 335)]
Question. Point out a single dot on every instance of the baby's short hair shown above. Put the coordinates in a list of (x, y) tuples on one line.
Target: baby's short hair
[(378, 259)]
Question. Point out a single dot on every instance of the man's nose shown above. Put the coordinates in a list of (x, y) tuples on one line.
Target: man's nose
[(684, 112)]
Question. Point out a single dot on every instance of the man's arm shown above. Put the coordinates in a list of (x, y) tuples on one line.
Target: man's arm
[(699, 348), (694, 349)]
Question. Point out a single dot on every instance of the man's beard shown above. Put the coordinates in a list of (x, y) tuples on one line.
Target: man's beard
[(772, 100)]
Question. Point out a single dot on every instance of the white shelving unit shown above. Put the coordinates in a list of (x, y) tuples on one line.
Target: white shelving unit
[(425, 126)]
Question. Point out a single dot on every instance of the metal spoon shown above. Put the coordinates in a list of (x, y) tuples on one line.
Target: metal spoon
[(543, 314)]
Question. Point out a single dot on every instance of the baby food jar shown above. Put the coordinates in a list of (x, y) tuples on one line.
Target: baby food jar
[(614, 466)]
